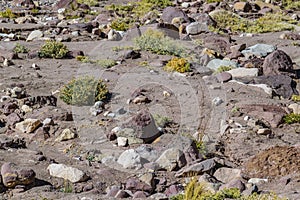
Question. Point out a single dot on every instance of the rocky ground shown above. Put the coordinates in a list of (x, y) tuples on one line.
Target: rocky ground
[(158, 129)]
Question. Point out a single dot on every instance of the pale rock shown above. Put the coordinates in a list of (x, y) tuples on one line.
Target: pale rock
[(226, 174), (243, 72), (264, 131), (295, 107), (34, 35), (130, 159), (74, 175), (66, 134), (171, 159), (28, 125), (26, 109), (122, 141)]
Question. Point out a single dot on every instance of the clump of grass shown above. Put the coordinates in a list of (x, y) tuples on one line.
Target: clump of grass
[(84, 59), (291, 118), (291, 4), (7, 14), (67, 188), (84, 91), (20, 49), (156, 42), (88, 2), (178, 64), (270, 22), (53, 49), (106, 63), (122, 24), (296, 98), (161, 121), (223, 69)]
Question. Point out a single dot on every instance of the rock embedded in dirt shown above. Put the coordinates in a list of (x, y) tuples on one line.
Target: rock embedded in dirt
[(258, 50), (205, 166), (28, 125), (226, 175), (74, 175), (243, 72), (130, 159), (66, 134), (171, 159), (216, 63)]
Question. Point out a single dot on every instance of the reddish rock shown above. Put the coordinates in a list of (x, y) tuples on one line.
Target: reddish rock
[(277, 63)]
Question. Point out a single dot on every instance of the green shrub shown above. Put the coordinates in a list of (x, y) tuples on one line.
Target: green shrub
[(178, 64), (7, 14), (296, 97), (270, 22), (106, 63), (53, 49), (89, 2), (122, 24), (156, 42), (291, 118), (223, 69), (20, 49), (161, 121), (84, 91)]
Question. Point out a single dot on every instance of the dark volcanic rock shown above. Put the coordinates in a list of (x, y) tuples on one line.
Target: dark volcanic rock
[(277, 62)]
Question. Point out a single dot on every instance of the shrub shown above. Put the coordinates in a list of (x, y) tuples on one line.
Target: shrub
[(223, 69), (20, 49), (121, 24), (7, 14), (106, 63), (271, 22), (156, 42), (53, 49), (84, 91), (291, 118), (295, 97), (161, 121), (88, 2), (178, 64)]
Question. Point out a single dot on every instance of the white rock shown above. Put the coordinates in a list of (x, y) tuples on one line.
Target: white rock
[(226, 174), (196, 28), (48, 121), (264, 131), (170, 159), (36, 34), (69, 173), (217, 101), (295, 107), (256, 181), (130, 159), (26, 109), (243, 72), (122, 141)]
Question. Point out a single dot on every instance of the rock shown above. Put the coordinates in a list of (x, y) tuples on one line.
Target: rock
[(169, 13), (34, 35), (257, 181), (28, 125), (211, 182), (264, 131), (130, 159), (243, 72), (12, 177), (26, 109), (217, 101), (69, 173), (139, 195), (235, 183), (205, 166), (122, 141), (258, 50), (283, 86), (48, 121), (224, 77), (242, 6), (13, 118), (122, 194), (9, 108), (114, 35), (66, 134), (140, 99), (134, 185), (216, 63), (173, 190), (271, 114), (111, 192), (171, 159), (147, 152), (195, 28), (148, 178), (295, 107), (277, 63), (158, 196), (225, 174)]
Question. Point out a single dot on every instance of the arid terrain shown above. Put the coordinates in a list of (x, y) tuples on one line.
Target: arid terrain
[(149, 99)]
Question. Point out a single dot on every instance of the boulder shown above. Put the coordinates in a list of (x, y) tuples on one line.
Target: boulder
[(74, 175), (28, 125), (169, 13), (171, 159)]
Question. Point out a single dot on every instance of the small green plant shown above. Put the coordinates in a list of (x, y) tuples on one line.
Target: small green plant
[(291, 118), (53, 49), (84, 59), (7, 14), (122, 24), (235, 109), (84, 91), (156, 42), (34, 11), (161, 121), (106, 63), (223, 69), (296, 97), (67, 188), (20, 49), (178, 64)]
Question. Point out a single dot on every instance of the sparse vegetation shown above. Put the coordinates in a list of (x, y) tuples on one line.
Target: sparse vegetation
[(156, 42), (67, 188), (161, 121), (122, 24), (270, 22), (53, 49), (296, 98), (223, 69), (105, 63), (88, 2), (20, 49), (84, 91), (7, 14), (178, 64), (291, 118)]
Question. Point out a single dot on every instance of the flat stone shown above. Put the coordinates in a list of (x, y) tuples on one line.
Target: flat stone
[(195, 28), (74, 175), (243, 72), (216, 63), (130, 159), (171, 159), (226, 174), (28, 125), (34, 35), (66, 134), (198, 168), (258, 50)]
